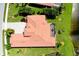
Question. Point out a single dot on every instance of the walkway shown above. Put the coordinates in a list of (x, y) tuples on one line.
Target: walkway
[(1, 21)]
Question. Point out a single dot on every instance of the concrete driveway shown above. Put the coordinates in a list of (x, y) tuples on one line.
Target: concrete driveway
[(17, 26), (1, 21)]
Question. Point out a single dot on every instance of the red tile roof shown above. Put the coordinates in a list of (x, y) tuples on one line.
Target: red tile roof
[(36, 34)]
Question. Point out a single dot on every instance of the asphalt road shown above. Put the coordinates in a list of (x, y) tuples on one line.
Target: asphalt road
[(1, 21)]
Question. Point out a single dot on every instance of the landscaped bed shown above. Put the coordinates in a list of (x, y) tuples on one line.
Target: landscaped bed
[(17, 13)]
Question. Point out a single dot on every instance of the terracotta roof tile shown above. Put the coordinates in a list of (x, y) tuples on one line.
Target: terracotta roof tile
[(36, 34)]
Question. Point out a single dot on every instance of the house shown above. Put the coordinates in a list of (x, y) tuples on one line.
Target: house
[(49, 5), (37, 33)]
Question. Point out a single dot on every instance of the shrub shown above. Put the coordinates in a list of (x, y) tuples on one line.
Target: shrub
[(8, 34), (8, 46), (58, 44), (51, 12), (23, 11), (27, 10), (61, 8)]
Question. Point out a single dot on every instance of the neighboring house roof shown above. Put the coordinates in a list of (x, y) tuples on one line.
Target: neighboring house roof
[(37, 33), (50, 4), (46, 4)]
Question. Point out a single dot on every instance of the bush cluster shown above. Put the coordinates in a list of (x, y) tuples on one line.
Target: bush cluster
[(27, 10), (8, 35)]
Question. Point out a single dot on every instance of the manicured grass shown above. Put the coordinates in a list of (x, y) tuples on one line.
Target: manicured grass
[(63, 22), (4, 12), (30, 51), (68, 48), (13, 10), (3, 42)]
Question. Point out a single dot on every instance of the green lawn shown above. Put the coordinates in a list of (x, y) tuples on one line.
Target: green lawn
[(30, 51), (13, 10), (62, 22)]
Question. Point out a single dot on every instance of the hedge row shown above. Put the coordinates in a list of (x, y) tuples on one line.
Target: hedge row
[(27, 10), (8, 35)]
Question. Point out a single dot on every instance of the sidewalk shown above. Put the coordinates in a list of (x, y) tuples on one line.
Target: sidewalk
[(1, 21)]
